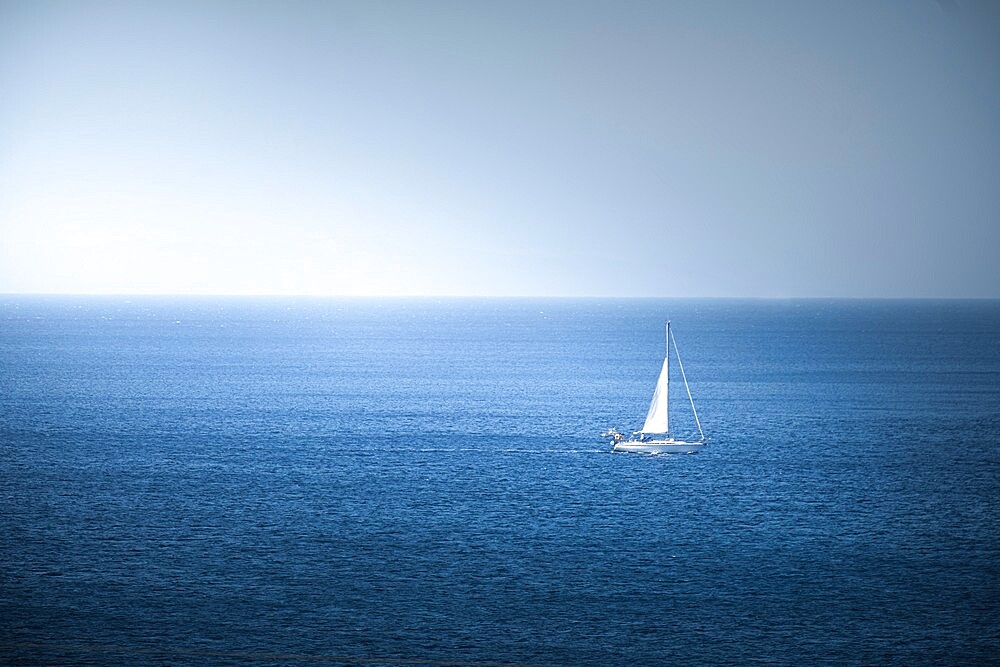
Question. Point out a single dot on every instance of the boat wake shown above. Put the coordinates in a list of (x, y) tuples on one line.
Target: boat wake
[(511, 450)]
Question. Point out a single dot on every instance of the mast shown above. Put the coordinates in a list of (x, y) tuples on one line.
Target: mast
[(666, 397)]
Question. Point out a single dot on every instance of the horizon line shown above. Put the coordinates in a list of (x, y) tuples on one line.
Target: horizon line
[(304, 295)]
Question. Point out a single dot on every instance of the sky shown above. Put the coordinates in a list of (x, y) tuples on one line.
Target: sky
[(537, 148)]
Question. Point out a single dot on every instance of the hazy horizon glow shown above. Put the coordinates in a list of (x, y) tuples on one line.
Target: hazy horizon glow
[(773, 149)]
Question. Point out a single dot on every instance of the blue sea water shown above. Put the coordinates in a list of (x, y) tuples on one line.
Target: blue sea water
[(288, 481)]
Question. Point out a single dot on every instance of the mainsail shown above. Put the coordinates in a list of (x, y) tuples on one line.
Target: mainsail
[(657, 419)]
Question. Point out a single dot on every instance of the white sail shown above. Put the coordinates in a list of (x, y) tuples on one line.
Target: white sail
[(657, 419)]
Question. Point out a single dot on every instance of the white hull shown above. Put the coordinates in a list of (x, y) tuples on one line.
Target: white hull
[(659, 446)]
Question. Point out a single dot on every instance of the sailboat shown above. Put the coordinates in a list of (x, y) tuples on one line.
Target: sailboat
[(654, 437)]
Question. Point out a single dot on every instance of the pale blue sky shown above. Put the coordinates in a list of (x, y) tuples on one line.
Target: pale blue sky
[(501, 148)]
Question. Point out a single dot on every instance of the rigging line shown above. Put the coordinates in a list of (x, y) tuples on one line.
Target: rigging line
[(680, 364)]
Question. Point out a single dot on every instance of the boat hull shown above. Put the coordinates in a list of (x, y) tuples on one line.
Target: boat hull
[(659, 446)]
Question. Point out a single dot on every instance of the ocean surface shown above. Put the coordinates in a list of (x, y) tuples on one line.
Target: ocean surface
[(421, 482)]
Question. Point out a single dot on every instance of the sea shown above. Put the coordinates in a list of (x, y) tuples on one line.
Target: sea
[(233, 481)]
